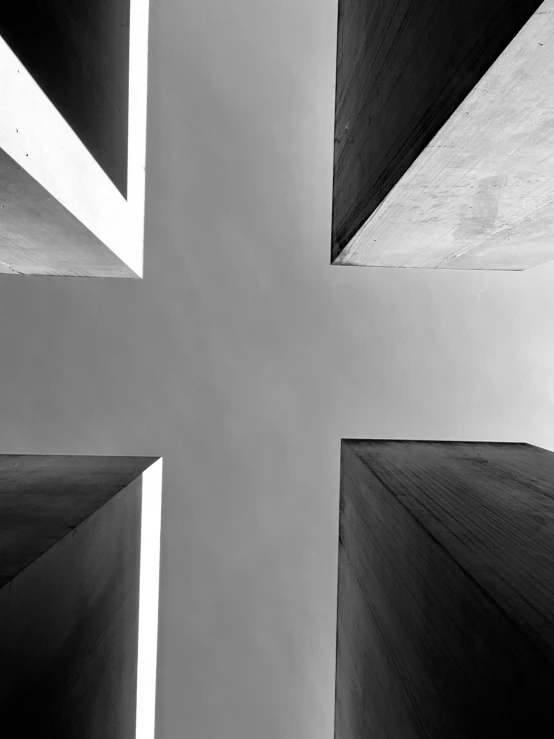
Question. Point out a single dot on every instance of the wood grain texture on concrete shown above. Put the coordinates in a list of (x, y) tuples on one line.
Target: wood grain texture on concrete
[(44, 498), (69, 631), (445, 623), (79, 55), (442, 160)]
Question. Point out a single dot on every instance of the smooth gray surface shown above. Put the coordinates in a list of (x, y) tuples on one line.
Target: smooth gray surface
[(43, 498), (69, 631), (244, 358)]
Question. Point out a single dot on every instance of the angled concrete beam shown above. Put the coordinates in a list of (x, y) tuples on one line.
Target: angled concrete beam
[(79, 574), (73, 91), (443, 138), (445, 623)]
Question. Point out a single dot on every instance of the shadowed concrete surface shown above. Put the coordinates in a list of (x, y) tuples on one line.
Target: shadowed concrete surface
[(477, 196), (38, 235), (58, 165), (445, 591), (78, 52), (43, 498), (69, 618)]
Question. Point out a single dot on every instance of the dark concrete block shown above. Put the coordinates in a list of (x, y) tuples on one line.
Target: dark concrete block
[(70, 544), (78, 52), (402, 69), (445, 621), (38, 235)]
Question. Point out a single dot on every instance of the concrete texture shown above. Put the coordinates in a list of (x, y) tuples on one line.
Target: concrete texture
[(43, 498), (425, 176), (39, 236), (79, 55), (446, 582), (72, 559), (91, 105)]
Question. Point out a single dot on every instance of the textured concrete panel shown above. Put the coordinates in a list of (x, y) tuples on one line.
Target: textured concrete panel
[(79, 552), (52, 118), (79, 55), (445, 592), (39, 236), (425, 176)]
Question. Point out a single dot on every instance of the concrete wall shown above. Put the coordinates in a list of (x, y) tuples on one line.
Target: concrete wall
[(78, 52), (69, 630), (446, 584), (402, 69)]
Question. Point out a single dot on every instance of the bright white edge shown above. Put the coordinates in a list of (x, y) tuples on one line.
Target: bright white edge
[(54, 155), (148, 600)]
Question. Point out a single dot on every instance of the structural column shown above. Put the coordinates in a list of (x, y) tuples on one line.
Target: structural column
[(79, 559), (443, 138), (445, 591)]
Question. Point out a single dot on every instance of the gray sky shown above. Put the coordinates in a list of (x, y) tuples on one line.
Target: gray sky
[(244, 357)]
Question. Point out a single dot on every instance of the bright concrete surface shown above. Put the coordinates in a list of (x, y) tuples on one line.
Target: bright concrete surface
[(68, 176), (43, 498), (481, 195), (79, 543)]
